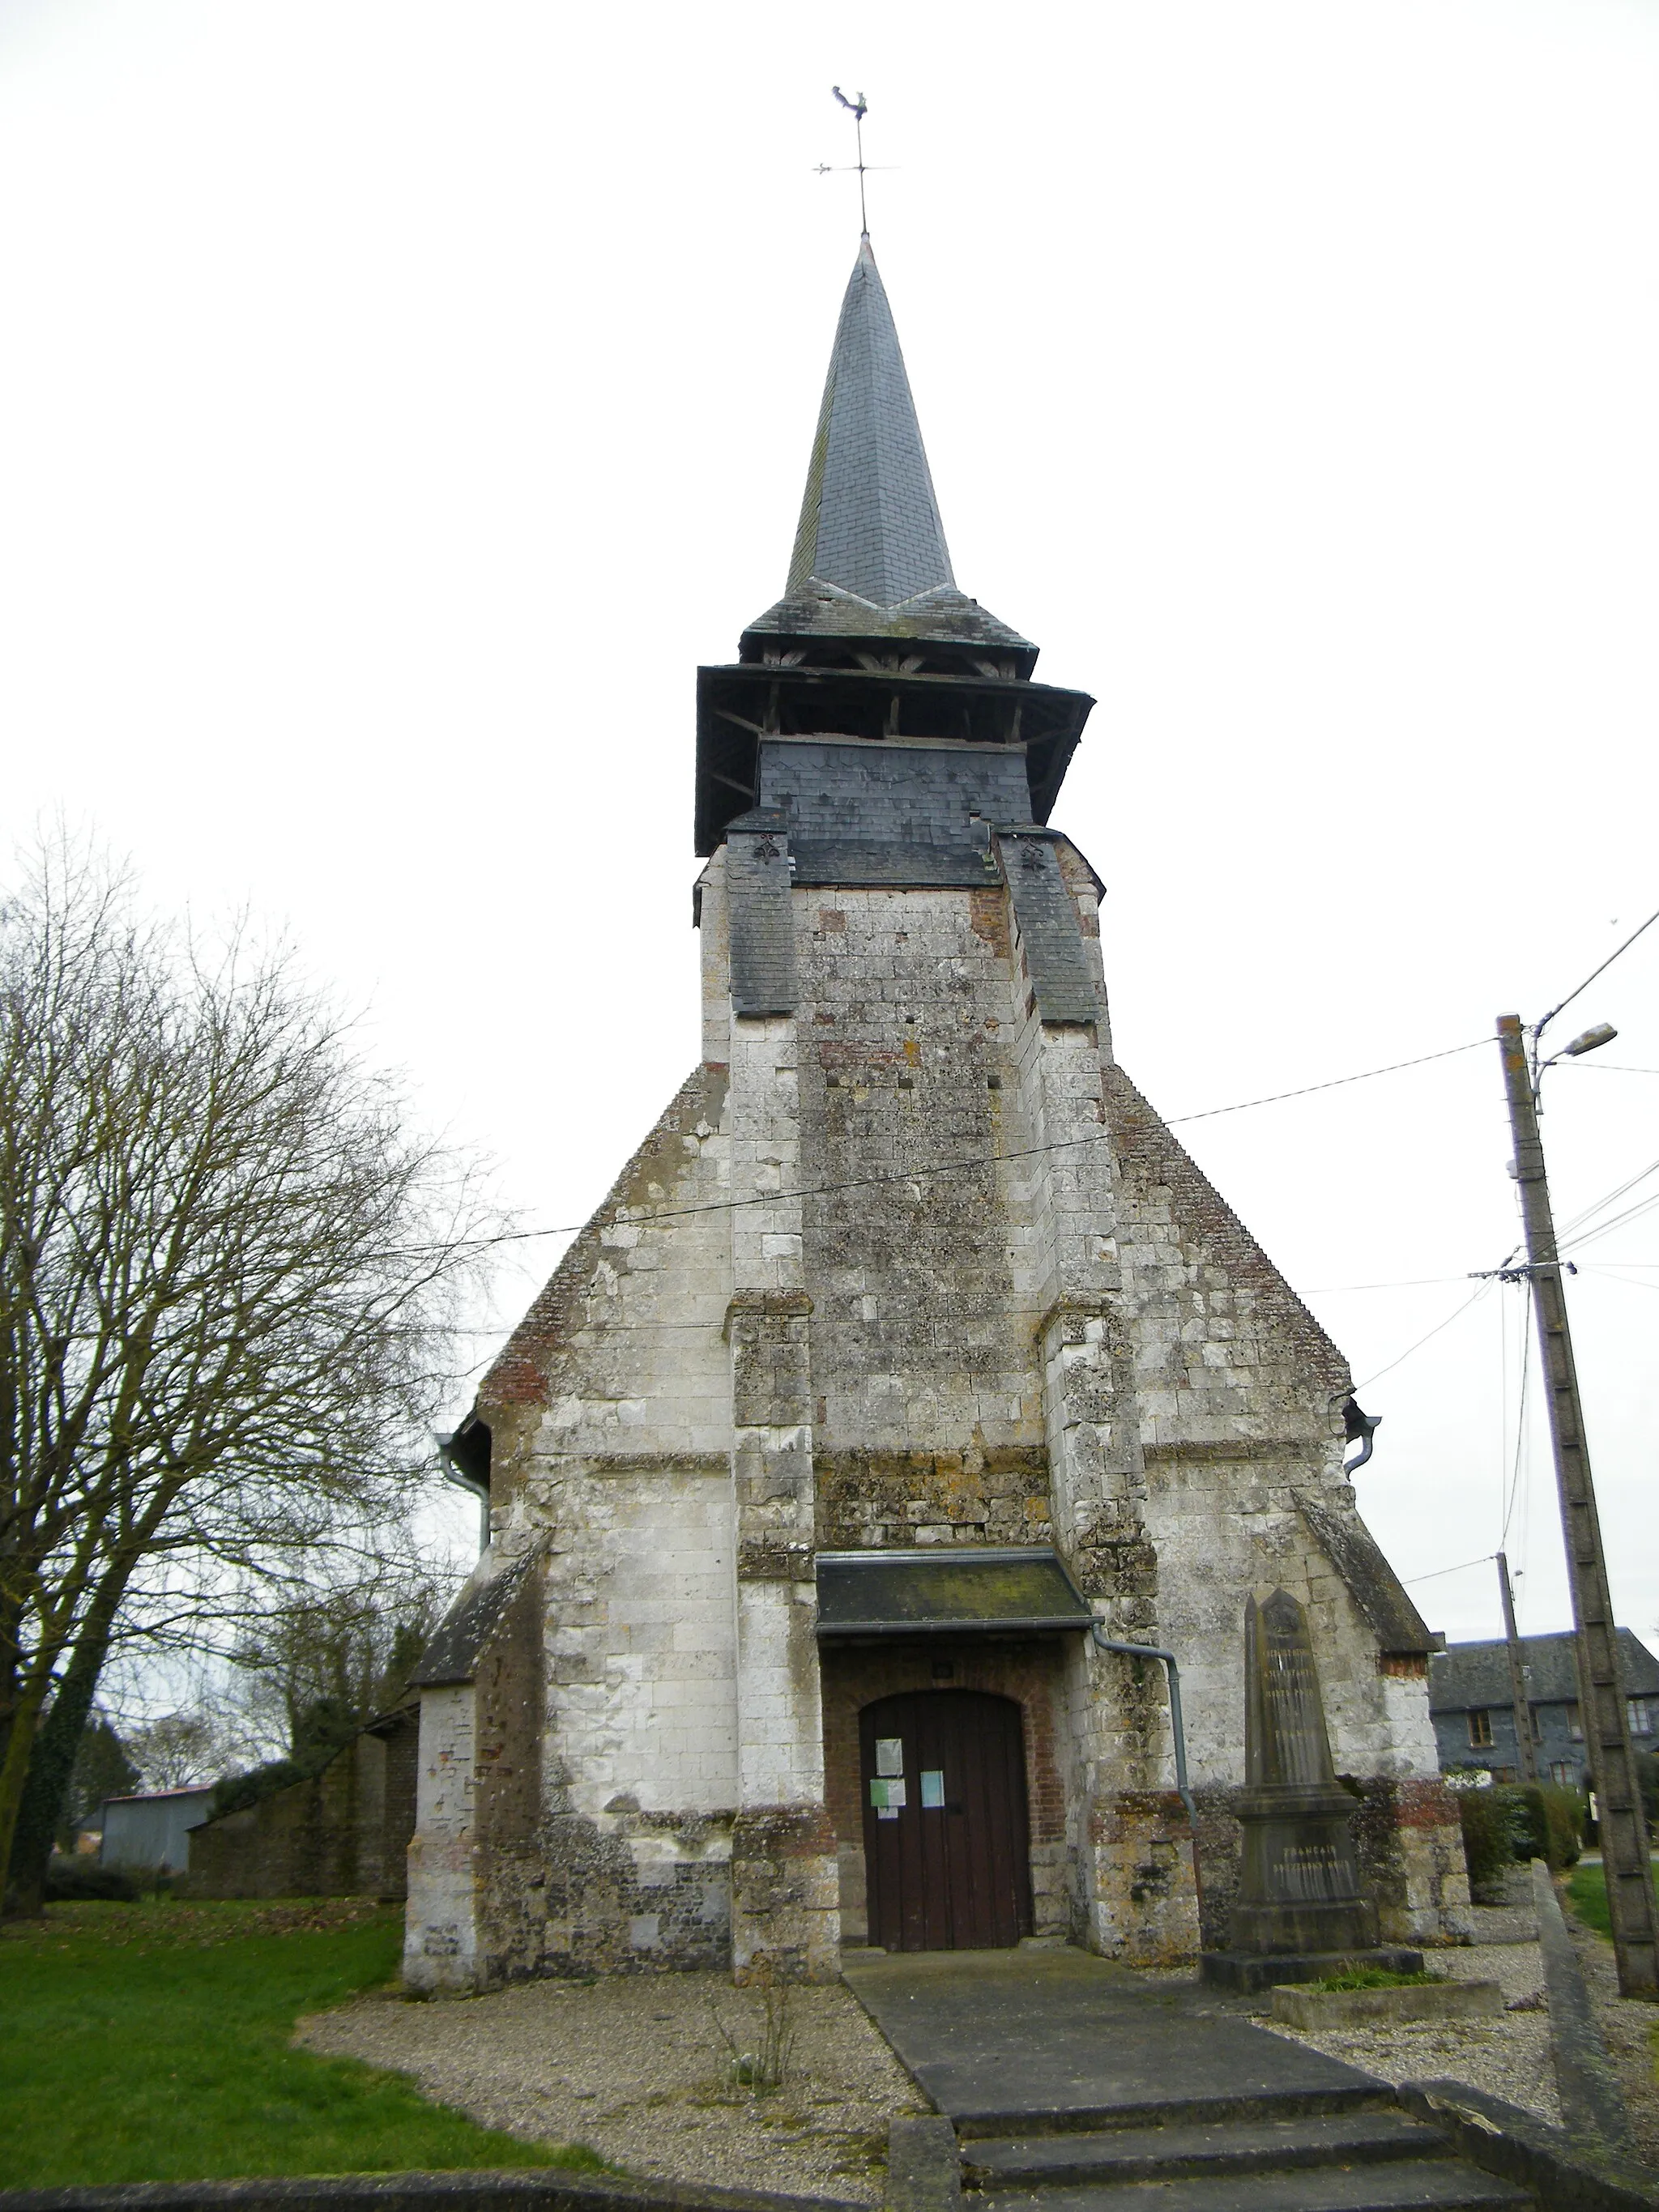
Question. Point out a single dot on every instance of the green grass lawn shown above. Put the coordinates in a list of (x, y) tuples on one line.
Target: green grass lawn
[(1586, 1894), (149, 2043)]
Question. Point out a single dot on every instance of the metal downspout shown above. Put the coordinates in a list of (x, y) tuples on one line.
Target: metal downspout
[(1170, 1668)]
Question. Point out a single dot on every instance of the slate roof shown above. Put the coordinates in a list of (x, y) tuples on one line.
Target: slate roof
[(870, 558), (452, 1655), (1375, 1589), (870, 522), (944, 615), (1465, 1676)]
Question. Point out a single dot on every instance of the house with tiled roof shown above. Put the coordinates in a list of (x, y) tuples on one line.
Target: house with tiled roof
[(1472, 1702)]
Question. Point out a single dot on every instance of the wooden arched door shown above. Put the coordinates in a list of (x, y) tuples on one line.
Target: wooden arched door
[(947, 1848)]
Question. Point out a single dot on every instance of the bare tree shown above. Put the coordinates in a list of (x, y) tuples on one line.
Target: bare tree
[(329, 1652), (225, 1268), (177, 1751)]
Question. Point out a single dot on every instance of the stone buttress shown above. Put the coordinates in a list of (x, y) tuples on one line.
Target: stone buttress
[(907, 1272)]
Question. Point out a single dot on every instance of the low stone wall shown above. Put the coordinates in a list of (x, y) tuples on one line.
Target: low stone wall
[(343, 1833)]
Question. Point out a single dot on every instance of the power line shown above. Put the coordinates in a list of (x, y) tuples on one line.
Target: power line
[(1540, 1027), (1521, 1415), (1578, 1220), (1335, 1083), (633, 1218), (1485, 1560), (1618, 1221), (1456, 1314)]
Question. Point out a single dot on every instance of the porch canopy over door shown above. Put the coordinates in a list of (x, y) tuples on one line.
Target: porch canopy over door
[(948, 1591)]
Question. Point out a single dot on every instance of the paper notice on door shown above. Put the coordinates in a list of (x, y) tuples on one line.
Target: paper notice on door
[(932, 1788), (887, 1796), (889, 1754)]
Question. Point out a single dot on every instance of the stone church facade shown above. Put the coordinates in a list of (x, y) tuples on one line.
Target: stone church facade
[(908, 1344)]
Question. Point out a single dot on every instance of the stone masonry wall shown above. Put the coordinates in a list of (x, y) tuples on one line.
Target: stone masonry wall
[(343, 1833), (1067, 1338), (610, 1410), (919, 1345), (1240, 1396)]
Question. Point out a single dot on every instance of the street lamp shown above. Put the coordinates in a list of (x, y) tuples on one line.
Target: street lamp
[(1591, 1040), (1601, 1688)]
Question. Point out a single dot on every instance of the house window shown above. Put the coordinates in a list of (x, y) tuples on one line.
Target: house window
[(1563, 1774), (1575, 1724), (1537, 1723), (1640, 1710), (1480, 1728)]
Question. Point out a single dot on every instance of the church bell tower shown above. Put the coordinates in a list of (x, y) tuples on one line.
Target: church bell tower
[(908, 1357)]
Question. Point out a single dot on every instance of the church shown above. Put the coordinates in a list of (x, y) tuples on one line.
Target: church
[(909, 1365)]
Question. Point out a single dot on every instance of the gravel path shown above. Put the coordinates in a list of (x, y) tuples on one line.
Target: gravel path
[(636, 2068), (1507, 2058)]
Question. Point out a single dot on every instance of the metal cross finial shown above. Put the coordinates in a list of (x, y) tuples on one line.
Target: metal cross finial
[(858, 108)]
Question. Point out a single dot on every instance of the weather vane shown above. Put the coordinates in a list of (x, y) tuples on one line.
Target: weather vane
[(858, 109)]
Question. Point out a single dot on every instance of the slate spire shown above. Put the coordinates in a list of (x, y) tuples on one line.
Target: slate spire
[(870, 521)]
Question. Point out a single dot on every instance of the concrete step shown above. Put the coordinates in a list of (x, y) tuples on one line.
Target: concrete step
[(1399, 2186), (1179, 2108), (1241, 2147)]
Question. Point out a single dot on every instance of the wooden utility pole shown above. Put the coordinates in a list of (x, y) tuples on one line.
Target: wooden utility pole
[(1518, 1699), (1624, 1856)]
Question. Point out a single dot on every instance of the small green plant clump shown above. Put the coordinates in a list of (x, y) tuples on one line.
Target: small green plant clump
[(74, 1879), (1488, 1851), (1547, 1823), (1373, 1978)]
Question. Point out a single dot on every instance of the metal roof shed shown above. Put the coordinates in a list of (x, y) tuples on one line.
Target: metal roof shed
[(150, 1834)]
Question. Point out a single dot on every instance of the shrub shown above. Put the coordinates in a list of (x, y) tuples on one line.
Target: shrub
[(238, 1791), (1544, 1822), (71, 1881), (1488, 1846), (1564, 1811)]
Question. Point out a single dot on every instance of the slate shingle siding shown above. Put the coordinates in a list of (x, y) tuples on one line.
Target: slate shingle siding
[(899, 814), (1048, 934), (762, 931)]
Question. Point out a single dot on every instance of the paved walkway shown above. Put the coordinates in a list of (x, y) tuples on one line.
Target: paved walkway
[(1074, 2085), (1002, 2038)]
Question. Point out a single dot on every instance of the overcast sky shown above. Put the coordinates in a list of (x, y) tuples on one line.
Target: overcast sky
[(399, 401)]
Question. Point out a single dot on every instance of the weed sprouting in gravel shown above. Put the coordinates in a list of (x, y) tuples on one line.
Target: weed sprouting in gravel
[(764, 2064)]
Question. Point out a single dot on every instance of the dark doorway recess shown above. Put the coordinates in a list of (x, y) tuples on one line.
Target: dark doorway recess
[(949, 1868)]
